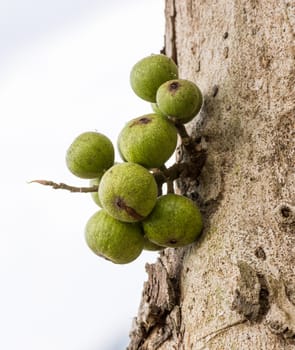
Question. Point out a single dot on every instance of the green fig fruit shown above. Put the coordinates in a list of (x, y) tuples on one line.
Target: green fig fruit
[(174, 222), (94, 195), (90, 154), (149, 73), (149, 140), (117, 241), (128, 192), (180, 99)]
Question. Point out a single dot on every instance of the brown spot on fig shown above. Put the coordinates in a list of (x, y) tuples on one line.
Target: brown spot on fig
[(120, 203), (174, 86), (173, 241), (144, 120), (140, 121)]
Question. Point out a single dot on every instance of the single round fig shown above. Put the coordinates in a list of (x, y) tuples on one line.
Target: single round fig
[(94, 195), (149, 140), (174, 222), (149, 73), (90, 154), (180, 99), (128, 192), (117, 241)]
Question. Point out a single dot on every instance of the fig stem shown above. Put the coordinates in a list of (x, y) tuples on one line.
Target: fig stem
[(166, 172), (182, 132), (189, 144), (160, 179), (63, 186), (162, 175)]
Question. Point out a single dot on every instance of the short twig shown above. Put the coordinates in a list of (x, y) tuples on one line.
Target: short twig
[(188, 143), (162, 175), (63, 186), (169, 181), (185, 138)]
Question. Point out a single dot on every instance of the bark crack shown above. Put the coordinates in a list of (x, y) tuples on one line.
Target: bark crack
[(170, 48), (217, 332)]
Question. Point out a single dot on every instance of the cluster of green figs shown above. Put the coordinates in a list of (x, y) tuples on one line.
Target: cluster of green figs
[(134, 215)]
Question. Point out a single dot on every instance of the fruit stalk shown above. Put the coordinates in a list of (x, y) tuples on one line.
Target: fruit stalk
[(63, 186), (196, 154), (168, 180), (163, 175)]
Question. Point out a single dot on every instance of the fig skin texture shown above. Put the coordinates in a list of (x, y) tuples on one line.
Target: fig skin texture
[(174, 222), (117, 241), (90, 154), (128, 192), (149, 73), (94, 195), (180, 99), (149, 140), (150, 246)]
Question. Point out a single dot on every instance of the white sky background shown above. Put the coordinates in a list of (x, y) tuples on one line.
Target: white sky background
[(64, 69)]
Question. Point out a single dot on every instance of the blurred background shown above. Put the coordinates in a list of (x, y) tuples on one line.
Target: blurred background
[(64, 69)]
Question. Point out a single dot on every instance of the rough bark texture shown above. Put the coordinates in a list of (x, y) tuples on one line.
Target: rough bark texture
[(234, 288)]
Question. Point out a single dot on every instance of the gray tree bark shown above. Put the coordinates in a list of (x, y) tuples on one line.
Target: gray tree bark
[(235, 287)]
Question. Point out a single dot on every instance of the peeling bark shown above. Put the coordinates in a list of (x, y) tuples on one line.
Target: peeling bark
[(160, 303), (235, 287)]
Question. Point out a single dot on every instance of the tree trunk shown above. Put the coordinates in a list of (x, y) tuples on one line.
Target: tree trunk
[(235, 287)]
